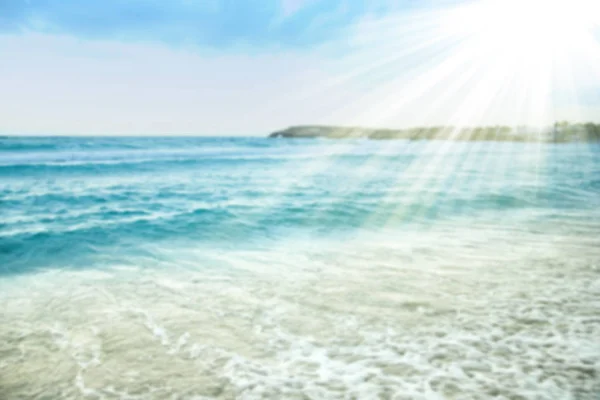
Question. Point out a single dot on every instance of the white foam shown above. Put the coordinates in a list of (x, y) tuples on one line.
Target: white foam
[(469, 317)]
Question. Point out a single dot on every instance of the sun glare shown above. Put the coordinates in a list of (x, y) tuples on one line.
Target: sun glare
[(481, 62), (523, 49), (526, 25), (539, 30)]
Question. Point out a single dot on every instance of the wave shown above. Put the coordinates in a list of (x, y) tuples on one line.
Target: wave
[(104, 163), (60, 207), (100, 225)]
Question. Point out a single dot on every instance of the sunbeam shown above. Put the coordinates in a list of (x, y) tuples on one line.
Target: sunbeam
[(299, 199)]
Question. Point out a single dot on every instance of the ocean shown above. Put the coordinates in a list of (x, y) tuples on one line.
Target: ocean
[(254, 268)]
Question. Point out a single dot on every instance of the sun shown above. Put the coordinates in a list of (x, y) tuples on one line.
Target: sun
[(522, 27), (523, 49), (526, 28)]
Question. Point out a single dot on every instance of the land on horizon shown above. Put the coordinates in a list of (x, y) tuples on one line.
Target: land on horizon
[(560, 132)]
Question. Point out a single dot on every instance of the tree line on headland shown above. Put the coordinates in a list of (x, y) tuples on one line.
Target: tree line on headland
[(560, 132)]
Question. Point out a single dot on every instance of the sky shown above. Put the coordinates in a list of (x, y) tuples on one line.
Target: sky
[(249, 67)]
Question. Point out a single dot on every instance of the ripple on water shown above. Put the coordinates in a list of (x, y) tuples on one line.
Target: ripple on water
[(363, 320)]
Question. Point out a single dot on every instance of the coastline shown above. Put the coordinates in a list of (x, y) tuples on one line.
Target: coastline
[(559, 133)]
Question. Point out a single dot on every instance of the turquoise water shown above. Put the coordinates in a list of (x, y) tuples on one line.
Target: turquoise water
[(258, 268), (68, 201)]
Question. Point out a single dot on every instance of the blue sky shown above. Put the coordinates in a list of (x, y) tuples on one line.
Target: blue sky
[(252, 66), (210, 23)]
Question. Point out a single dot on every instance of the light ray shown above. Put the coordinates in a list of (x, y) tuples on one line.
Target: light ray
[(501, 63)]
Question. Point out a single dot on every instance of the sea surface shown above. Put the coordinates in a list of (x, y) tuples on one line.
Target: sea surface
[(252, 268)]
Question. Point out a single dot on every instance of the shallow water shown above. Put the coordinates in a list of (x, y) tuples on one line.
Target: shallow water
[(188, 268)]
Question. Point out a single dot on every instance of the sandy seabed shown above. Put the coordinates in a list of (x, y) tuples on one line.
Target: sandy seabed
[(467, 315)]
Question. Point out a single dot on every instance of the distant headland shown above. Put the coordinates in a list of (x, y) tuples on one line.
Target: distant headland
[(560, 132)]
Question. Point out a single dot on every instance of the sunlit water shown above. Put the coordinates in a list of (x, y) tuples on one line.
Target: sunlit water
[(255, 268)]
